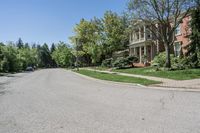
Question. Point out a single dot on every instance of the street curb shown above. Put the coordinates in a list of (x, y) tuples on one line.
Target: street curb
[(139, 85)]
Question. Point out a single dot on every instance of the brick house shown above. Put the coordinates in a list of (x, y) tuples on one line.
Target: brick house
[(143, 44)]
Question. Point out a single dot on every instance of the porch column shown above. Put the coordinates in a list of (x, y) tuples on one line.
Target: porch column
[(145, 50), (133, 36), (140, 54), (152, 52), (135, 51), (139, 33), (144, 32)]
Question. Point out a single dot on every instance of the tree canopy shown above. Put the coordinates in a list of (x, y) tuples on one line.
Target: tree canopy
[(100, 37)]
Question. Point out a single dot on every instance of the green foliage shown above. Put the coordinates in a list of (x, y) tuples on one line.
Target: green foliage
[(122, 62), (17, 57), (20, 43), (159, 60), (116, 32), (99, 38), (107, 62), (194, 47), (177, 62), (10, 62), (63, 55), (27, 57), (132, 59), (53, 62), (44, 55), (87, 41)]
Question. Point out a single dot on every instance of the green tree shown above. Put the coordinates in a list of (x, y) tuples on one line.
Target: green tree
[(10, 62), (115, 30), (27, 57), (87, 34), (27, 46), (63, 55), (194, 47), (53, 48), (20, 43), (1, 56), (45, 56)]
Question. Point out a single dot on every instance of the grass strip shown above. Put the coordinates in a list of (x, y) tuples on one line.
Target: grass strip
[(117, 78), (176, 74)]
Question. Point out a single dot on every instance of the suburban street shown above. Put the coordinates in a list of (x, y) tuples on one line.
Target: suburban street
[(61, 101)]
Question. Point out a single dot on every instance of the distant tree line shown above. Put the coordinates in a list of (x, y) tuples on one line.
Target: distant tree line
[(16, 57)]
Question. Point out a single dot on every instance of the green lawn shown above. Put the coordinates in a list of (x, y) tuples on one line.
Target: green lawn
[(177, 75), (116, 78)]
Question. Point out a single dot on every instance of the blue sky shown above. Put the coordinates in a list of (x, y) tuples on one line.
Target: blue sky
[(49, 20)]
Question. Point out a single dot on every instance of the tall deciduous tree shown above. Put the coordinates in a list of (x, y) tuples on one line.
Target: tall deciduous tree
[(89, 44), (63, 55), (163, 16), (99, 38), (115, 29)]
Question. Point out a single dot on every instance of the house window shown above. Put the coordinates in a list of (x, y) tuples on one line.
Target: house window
[(178, 30), (177, 48)]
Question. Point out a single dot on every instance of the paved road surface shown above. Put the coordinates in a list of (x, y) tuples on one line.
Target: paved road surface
[(59, 101)]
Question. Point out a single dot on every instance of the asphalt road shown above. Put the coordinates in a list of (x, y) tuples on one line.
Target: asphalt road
[(59, 101)]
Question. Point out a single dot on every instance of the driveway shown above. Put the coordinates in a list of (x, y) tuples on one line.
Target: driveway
[(59, 101)]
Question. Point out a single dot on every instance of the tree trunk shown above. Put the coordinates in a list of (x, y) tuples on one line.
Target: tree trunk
[(168, 60)]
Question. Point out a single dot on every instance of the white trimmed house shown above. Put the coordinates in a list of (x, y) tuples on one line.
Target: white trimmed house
[(144, 45)]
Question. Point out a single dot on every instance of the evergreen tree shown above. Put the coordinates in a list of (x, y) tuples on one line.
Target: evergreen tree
[(53, 48), (53, 62), (34, 45), (19, 43), (45, 56), (26, 46), (194, 47)]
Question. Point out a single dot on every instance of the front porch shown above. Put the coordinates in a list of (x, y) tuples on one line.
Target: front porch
[(145, 51)]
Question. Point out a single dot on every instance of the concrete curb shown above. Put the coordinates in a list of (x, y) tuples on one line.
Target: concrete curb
[(139, 85)]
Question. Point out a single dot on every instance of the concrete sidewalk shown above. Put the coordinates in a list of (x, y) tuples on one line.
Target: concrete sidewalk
[(187, 84)]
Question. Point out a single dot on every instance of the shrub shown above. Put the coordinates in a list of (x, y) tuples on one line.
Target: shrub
[(176, 62), (122, 62), (107, 62), (132, 59), (159, 60)]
